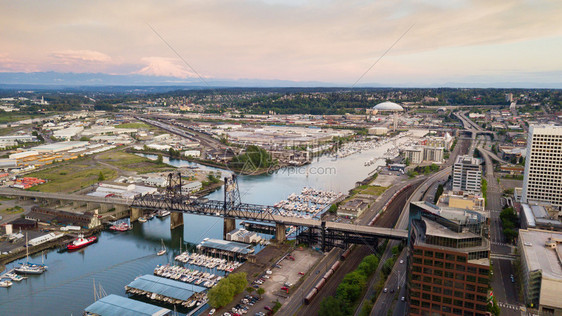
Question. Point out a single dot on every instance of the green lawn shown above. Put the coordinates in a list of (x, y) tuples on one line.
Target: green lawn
[(71, 177), (132, 162), (134, 125), (374, 190)]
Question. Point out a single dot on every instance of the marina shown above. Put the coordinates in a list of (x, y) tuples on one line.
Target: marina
[(310, 203), (187, 275), (201, 260)]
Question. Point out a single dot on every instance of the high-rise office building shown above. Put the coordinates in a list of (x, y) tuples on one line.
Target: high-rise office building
[(449, 261), (467, 174), (543, 166)]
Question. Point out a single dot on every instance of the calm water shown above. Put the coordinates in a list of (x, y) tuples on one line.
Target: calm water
[(67, 287)]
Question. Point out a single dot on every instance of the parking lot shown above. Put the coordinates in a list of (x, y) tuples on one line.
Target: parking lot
[(284, 275)]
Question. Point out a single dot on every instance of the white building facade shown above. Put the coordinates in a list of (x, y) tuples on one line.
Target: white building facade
[(467, 174), (543, 166)]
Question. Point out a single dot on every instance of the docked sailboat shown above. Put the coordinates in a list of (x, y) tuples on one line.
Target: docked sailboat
[(163, 250), (5, 283), (15, 277), (81, 242), (28, 267)]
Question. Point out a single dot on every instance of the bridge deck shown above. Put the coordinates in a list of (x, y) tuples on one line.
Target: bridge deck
[(215, 208)]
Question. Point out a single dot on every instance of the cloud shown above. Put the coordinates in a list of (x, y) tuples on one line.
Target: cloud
[(332, 40), (12, 65), (80, 56), (167, 67)]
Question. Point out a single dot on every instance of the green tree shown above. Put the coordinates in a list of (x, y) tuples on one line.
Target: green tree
[(438, 193), (332, 306), (250, 289), (101, 177), (239, 281), (493, 307), (159, 159), (221, 294), (260, 291)]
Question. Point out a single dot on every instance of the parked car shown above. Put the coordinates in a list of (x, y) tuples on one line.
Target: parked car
[(268, 308)]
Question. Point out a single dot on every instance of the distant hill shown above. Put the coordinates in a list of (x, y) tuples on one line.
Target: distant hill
[(51, 79)]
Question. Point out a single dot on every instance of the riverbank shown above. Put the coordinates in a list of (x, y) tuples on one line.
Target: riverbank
[(214, 164), (20, 252)]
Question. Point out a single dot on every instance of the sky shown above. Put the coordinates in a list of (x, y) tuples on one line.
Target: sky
[(298, 40)]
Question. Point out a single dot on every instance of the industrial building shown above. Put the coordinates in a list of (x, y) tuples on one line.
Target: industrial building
[(58, 147), (448, 261), (378, 130), (45, 215), (353, 208), (191, 187), (14, 140), (127, 192), (541, 269), (543, 170), (541, 215), (467, 174), (243, 235)]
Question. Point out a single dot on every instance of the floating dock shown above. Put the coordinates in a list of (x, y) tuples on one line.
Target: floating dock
[(115, 305), (225, 248), (165, 290)]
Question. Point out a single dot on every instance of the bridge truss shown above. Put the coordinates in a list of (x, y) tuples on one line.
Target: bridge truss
[(308, 231)]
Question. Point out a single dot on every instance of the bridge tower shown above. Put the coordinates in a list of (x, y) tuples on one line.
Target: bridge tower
[(231, 201), (174, 195)]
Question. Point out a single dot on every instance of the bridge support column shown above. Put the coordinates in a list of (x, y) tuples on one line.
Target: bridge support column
[(176, 219), (229, 225), (280, 232), (323, 232), (135, 214)]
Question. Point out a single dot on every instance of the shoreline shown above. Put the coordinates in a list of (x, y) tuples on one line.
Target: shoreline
[(20, 252)]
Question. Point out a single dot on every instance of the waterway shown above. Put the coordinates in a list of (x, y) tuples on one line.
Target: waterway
[(67, 287)]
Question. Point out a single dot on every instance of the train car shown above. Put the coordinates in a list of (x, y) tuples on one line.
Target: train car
[(310, 296), (336, 266), (346, 253)]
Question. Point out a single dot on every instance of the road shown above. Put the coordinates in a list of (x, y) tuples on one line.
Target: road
[(504, 289), (395, 286), (384, 300)]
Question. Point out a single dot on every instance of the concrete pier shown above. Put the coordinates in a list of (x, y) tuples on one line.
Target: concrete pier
[(176, 219), (135, 214), (229, 225), (280, 232)]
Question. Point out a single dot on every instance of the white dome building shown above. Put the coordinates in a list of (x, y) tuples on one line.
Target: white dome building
[(388, 107)]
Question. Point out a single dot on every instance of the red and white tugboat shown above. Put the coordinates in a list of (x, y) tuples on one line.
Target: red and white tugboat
[(81, 242)]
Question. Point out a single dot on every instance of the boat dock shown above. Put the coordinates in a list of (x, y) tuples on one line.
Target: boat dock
[(224, 248), (5, 274), (115, 305), (258, 227), (166, 290)]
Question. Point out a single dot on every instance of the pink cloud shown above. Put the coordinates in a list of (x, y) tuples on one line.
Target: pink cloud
[(80, 56)]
